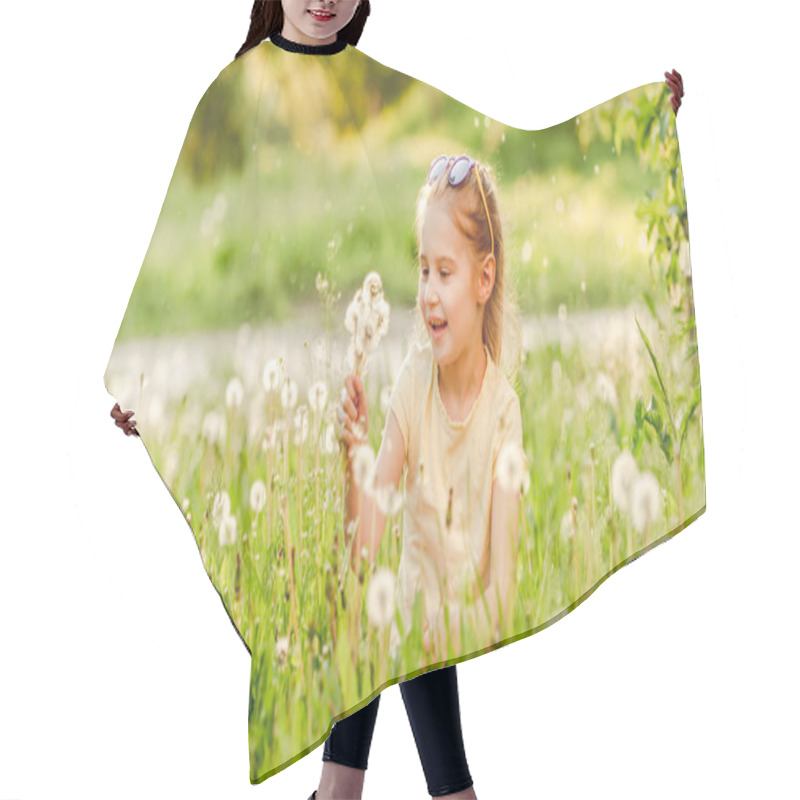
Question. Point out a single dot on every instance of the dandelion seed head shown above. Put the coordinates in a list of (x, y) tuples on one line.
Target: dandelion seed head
[(511, 467), (227, 531), (258, 495), (214, 428), (221, 507), (527, 251), (234, 393), (605, 390), (388, 499), (624, 473), (380, 598), (272, 375), (364, 466), (645, 501)]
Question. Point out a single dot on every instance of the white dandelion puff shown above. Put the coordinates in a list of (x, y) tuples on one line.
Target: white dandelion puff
[(258, 495), (605, 390), (214, 427), (624, 473), (367, 318), (221, 507), (227, 531), (388, 499), (364, 466), (380, 598), (527, 251), (511, 467), (234, 393), (272, 375), (645, 501)]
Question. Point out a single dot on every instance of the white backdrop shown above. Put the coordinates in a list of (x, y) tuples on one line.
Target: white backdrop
[(120, 673)]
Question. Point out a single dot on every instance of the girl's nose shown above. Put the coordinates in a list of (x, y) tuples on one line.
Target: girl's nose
[(430, 296)]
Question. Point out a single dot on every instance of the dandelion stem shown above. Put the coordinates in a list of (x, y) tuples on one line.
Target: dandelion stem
[(289, 549)]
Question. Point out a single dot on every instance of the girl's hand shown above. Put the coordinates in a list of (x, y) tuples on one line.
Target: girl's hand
[(353, 412), (675, 82), (123, 420)]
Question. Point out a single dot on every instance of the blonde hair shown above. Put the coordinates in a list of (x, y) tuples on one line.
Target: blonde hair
[(501, 333)]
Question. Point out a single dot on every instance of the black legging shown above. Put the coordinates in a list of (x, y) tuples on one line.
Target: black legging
[(432, 706)]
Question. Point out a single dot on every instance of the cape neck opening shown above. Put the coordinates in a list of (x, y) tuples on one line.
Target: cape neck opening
[(309, 49)]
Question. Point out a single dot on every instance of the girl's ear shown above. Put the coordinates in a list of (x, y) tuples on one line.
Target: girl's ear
[(486, 278)]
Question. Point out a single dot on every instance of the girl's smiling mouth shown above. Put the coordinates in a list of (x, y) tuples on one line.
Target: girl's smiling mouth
[(437, 328), (321, 15)]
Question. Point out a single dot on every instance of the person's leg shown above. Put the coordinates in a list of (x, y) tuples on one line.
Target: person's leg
[(431, 701), (346, 753)]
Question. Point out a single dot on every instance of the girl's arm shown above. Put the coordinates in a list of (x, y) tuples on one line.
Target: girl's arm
[(388, 469), (500, 593)]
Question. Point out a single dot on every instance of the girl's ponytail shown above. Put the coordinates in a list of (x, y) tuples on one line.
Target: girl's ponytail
[(266, 19)]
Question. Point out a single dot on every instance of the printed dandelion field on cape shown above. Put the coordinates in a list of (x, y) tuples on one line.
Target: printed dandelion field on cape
[(287, 257)]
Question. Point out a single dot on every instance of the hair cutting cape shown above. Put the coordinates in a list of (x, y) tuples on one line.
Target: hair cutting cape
[(286, 256)]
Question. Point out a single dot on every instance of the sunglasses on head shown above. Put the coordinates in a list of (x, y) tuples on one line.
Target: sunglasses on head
[(459, 168)]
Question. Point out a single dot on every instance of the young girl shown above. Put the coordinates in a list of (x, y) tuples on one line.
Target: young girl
[(453, 417)]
